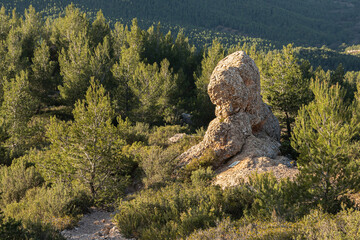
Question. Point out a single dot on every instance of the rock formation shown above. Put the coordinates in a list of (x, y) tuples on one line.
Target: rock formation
[(244, 127)]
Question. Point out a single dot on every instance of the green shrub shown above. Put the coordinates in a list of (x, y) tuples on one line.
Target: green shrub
[(244, 230), (11, 229), (202, 176), (59, 205), (158, 164), (160, 135), (16, 179), (133, 133), (171, 212), (179, 209), (206, 160), (237, 201), (280, 199), (319, 225), (37, 231)]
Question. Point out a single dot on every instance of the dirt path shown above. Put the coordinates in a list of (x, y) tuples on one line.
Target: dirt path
[(93, 226)]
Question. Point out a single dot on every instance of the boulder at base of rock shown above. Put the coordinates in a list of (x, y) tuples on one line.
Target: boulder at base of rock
[(244, 127)]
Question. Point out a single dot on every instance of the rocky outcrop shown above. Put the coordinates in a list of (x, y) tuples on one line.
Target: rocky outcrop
[(244, 127)]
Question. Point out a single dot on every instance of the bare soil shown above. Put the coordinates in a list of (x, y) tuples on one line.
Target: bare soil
[(94, 226)]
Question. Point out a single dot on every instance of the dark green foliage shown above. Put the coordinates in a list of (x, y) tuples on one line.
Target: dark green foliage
[(11, 229), (17, 109), (328, 58), (316, 225), (324, 136), (138, 132), (75, 67), (42, 82), (296, 21), (99, 29), (284, 86), (276, 199), (211, 57), (319, 225)]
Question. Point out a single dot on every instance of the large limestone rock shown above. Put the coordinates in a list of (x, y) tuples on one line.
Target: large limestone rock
[(244, 127)]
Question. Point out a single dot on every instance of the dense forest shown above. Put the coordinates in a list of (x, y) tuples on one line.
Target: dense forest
[(269, 25), (307, 22), (87, 108)]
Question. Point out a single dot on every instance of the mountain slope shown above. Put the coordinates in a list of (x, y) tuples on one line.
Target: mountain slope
[(310, 22)]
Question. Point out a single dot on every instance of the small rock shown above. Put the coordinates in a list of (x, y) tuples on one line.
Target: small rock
[(176, 138), (113, 232)]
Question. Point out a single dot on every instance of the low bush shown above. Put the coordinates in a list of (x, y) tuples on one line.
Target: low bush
[(256, 230), (202, 177), (11, 229), (207, 159), (16, 179), (133, 133), (170, 212), (157, 164), (320, 225), (59, 205), (175, 210), (280, 199), (160, 135)]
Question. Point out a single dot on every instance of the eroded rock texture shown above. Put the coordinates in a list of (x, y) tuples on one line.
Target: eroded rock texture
[(244, 127)]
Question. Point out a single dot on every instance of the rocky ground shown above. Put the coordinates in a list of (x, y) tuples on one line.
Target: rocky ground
[(94, 226)]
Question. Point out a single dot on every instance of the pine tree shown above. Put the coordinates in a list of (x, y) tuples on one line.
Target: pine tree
[(75, 68), (101, 62), (124, 70), (32, 29), (16, 110), (4, 24), (118, 37), (324, 135), (42, 81), (283, 85), (14, 61), (3, 66), (65, 28), (99, 29), (90, 148), (211, 57), (152, 88)]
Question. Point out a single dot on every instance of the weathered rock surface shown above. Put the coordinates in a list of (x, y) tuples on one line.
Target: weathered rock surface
[(237, 171), (244, 127)]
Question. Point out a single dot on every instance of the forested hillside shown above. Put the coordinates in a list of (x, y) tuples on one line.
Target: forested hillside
[(306, 22), (87, 108)]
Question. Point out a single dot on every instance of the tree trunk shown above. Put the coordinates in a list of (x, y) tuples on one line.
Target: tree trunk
[(288, 126)]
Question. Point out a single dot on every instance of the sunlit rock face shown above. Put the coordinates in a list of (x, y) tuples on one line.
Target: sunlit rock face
[(244, 127)]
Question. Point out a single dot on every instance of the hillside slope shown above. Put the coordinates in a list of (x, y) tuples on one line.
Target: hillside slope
[(306, 22)]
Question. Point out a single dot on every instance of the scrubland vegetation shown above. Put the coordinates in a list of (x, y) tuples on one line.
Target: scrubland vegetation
[(87, 111)]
